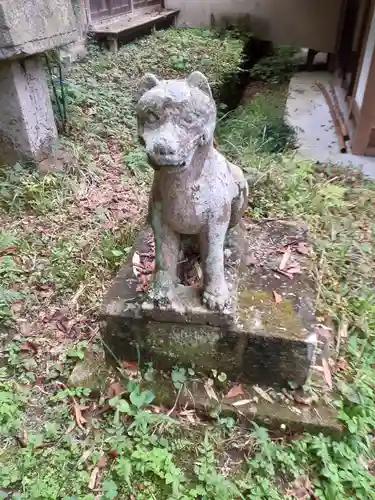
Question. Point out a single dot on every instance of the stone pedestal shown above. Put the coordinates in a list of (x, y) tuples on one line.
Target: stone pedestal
[(27, 126), (29, 28), (266, 337)]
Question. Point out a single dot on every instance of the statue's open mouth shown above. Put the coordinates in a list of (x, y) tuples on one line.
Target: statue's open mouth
[(173, 163), (167, 163)]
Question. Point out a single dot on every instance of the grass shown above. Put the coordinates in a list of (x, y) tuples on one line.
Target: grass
[(63, 236)]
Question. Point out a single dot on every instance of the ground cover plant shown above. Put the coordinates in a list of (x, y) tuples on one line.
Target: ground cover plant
[(64, 235)]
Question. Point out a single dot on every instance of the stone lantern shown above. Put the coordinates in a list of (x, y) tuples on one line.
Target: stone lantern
[(28, 28)]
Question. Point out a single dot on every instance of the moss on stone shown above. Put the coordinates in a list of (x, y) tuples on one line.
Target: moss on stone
[(185, 344), (258, 310), (90, 373)]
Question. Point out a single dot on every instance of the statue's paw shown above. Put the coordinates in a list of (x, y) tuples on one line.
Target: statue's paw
[(162, 290), (215, 301)]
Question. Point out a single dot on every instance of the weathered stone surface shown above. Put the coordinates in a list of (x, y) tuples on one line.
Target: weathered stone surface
[(27, 125), (256, 340), (90, 373), (196, 191), (30, 27)]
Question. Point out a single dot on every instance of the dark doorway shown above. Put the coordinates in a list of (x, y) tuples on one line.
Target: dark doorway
[(354, 23)]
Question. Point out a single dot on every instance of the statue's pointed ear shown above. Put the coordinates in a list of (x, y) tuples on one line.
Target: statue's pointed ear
[(197, 79), (148, 82)]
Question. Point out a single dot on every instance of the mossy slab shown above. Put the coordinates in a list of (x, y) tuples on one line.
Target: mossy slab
[(267, 335), (280, 411), (90, 373)]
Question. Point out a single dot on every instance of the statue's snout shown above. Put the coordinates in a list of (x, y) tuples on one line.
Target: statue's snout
[(164, 149)]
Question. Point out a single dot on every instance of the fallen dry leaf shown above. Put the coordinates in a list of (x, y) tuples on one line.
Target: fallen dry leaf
[(63, 326), (296, 269), (198, 270), (283, 273), (130, 365), (301, 489), (303, 248), (80, 420), (251, 260), (23, 438), (327, 372), (78, 293), (342, 365), (157, 409), (136, 261), (102, 462), (242, 402), (43, 287), (143, 283), (303, 400), (24, 328), (60, 316), (210, 391), (285, 258), (277, 297), (93, 477), (17, 306), (235, 391), (103, 409), (8, 251), (263, 394), (190, 416), (324, 332), (342, 334), (29, 346), (343, 330), (115, 389)]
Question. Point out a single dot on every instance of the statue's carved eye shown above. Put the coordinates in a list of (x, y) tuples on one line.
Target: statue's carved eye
[(190, 118), (152, 117)]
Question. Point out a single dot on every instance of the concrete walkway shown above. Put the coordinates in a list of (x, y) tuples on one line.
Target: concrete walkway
[(307, 111)]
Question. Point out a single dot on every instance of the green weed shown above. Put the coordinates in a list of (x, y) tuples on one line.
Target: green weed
[(12, 400), (23, 189), (278, 67), (256, 128)]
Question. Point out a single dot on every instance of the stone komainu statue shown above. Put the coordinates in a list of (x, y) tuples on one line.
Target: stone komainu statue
[(195, 191)]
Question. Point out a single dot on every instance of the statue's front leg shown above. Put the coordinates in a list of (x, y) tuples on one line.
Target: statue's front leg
[(167, 246), (215, 293)]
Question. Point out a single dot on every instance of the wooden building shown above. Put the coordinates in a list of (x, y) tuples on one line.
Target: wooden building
[(344, 29), (355, 71)]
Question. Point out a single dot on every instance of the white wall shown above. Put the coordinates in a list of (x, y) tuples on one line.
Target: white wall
[(302, 23), (369, 51)]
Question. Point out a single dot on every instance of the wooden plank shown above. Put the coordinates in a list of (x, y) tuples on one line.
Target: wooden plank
[(131, 22), (339, 113), (336, 124)]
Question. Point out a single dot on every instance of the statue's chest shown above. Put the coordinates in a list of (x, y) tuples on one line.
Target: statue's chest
[(185, 206)]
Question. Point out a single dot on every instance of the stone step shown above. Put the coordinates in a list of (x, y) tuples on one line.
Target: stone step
[(267, 335)]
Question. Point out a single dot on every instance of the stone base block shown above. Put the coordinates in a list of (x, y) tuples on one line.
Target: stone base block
[(267, 335), (278, 411), (286, 411), (29, 27), (27, 125)]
